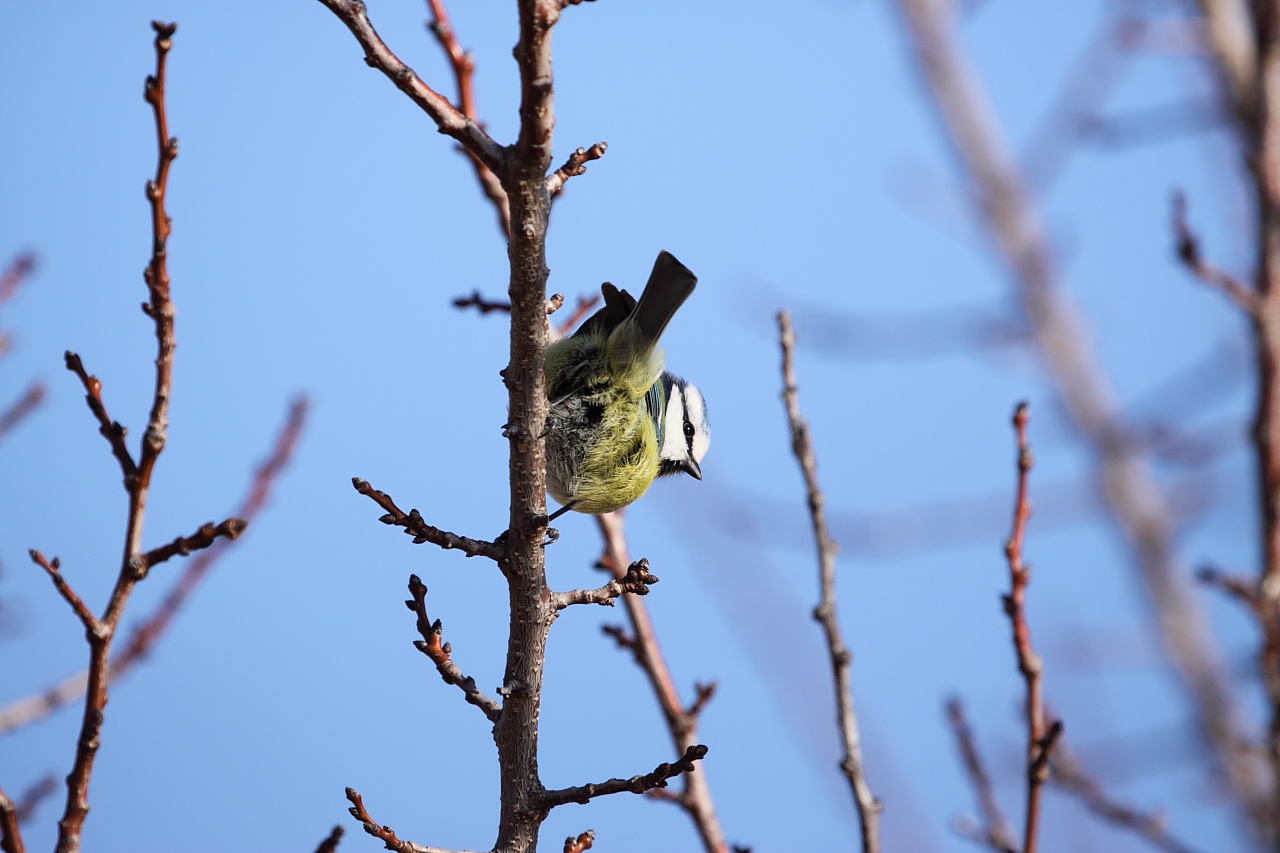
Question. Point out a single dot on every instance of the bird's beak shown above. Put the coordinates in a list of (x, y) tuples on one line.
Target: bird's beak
[(691, 468)]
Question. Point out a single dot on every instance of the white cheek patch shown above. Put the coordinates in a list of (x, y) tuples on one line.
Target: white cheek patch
[(673, 445), (698, 417)]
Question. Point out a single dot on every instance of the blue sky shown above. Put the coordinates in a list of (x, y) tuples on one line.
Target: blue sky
[(322, 228)]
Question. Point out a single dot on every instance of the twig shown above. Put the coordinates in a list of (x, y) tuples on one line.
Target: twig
[(469, 134), (1244, 590), (385, 833), (484, 306), (996, 830), (90, 622), (464, 67), (146, 634), (111, 430), (825, 614), (14, 274), (440, 652), (1142, 513), (1188, 248), (10, 833), (1067, 774), (1040, 738), (583, 842), (415, 526), (636, 784), (585, 304), (198, 541), (574, 166), (636, 581), (23, 406), (682, 722), (330, 843)]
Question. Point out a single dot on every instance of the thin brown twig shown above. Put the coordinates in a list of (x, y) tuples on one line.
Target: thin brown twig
[(21, 408), (464, 67), (1140, 510), (636, 581), (1188, 248), (996, 830), (484, 306), (451, 122), (82, 611), (415, 526), (203, 538), (576, 165), (384, 833), (582, 842), (17, 271), (143, 637), (642, 642), (111, 430), (584, 306), (441, 653), (1040, 736), (638, 784), (330, 843), (825, 614)]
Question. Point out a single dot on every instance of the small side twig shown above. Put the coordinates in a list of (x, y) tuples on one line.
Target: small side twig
[(851, 764), (636, 581), (53, 568), (1244, 590), (433, 646), (384, 833), (1188, 248), (484, 306), (996, 831), (583, 842), (111, 430), (330, 843), (33, 796), (198, 541), (417, 527), (1040, 738), (574, 166), (636, 784)]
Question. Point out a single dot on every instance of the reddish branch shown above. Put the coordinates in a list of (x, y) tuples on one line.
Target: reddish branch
[(1040, 737), (1139, 509), (14, 274), (441, 654), (996, 831), (143, 638), (682, 721), (82, 611), (825, 614), (10, 835), (33, 796), (464, 67), (111, 430), (23, 406), (417, 527)]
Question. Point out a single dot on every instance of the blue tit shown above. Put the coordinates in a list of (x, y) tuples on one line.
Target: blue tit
[(617, 419)]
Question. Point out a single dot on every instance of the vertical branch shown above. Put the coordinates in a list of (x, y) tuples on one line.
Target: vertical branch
[(516, 733), (1040, 740), (682, 722), (133, 566), (1136, 505), (868, 806)]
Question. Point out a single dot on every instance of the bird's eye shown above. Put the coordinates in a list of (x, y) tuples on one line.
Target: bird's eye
[(688, 430)]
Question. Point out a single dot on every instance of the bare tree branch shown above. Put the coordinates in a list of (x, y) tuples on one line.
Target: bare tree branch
[(1140, 511), (10, 834), (574, 166), (330, 843), (440, 653), (636, 784), (996, 831), (385, 833), (415, 526), (21, 408), (636, 581), (1189, 252), (825, 614)]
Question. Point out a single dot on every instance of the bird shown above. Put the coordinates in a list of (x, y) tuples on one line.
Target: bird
[(617, 419)]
